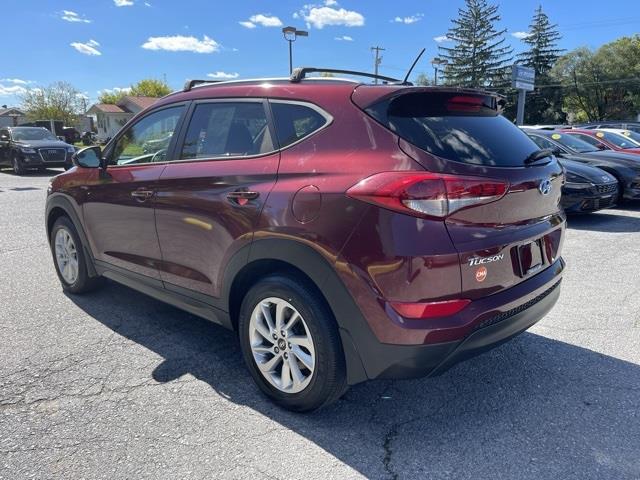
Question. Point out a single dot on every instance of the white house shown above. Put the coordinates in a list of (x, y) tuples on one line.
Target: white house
[(11, 117), (111, 118)]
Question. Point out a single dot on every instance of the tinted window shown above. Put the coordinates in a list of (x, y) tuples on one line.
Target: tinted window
[(572, 142), (586, 139), (148, 139), (227, 129), (619, 141), (542, 142), (294, 121), (462, 128)]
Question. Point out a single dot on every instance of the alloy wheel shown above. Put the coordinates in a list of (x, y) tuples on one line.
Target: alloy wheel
[(66, 256), (282, 345)]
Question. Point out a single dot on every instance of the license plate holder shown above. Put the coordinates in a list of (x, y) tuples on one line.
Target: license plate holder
[(531, 257)]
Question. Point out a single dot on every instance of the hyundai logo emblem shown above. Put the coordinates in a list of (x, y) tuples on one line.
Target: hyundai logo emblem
[(545, 187)]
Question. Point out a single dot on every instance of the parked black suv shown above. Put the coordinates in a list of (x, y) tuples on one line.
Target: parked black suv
[(25, 148)]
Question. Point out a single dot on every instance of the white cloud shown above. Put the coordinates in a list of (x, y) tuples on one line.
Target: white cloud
[(73, 17), (441, 39), (410, 19), (223, 75), (520, 35), (88, 48), (114, 90), (147, 4), (9, 91), (123, 3), (265, 20), (320, 17), (345, 38), (330, 3), (181, 43), (16, 81)]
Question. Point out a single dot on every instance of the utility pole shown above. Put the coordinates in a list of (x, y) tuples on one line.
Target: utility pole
[(378, 60)]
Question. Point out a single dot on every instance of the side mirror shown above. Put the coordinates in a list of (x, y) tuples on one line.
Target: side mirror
[(90, 157), (558, 152), (601, 146)]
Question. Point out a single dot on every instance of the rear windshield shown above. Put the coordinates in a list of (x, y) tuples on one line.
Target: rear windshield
[(459, 127)]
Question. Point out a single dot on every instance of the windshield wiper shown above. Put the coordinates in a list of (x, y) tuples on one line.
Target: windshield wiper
[(537, 155)]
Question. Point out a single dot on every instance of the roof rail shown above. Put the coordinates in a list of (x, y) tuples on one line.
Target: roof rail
[(192, 83), (301, 72)]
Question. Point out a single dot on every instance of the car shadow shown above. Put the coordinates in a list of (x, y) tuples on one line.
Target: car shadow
[(604, 221), (533, 408)]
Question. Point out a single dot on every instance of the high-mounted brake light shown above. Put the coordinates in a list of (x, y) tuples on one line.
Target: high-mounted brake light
[(466, 103), (431, 309), (427, 194)]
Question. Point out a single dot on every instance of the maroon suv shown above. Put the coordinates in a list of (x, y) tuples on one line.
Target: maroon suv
[(346, 231)]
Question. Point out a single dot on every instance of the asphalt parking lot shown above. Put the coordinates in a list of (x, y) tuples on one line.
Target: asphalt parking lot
[(117, 385)]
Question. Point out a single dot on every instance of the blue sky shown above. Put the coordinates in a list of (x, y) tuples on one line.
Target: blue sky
[(104, 44)]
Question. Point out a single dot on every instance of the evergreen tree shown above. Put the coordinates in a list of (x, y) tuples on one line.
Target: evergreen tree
[(544, 104), (479, 56), (542, 40)]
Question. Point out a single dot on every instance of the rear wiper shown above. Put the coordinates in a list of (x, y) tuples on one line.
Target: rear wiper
[(538, 154)]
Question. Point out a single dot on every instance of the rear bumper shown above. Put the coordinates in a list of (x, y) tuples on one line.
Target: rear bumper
[(504, 316)]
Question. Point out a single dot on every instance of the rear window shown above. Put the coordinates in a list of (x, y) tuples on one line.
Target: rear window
[(459, 127), (295, 121)]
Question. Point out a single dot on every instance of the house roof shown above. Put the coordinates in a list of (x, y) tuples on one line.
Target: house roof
[(124, 104), (107, 108), (9, 111), (142, 102)]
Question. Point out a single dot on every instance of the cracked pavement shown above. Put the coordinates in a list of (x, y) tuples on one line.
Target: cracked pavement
[(115, 384)]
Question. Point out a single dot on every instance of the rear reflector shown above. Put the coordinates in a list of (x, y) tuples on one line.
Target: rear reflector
[(431, 309), (427, 194)]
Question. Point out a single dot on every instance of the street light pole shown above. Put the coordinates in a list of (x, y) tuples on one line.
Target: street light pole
[(290, 35), (437, 62)]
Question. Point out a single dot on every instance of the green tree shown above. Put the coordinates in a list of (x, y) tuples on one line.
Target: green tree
[(148, 87), (601, 85), (111, 97), (58, 101), (544, 104), (479, 56), (423, 80)]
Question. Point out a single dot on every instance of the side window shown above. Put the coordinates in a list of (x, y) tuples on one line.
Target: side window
[(227, 129), (148, 139), (294, 121)]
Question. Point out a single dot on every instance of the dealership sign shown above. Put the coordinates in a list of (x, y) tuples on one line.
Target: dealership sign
[(523, 77)]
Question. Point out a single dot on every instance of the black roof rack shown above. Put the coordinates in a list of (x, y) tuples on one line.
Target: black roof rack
[(301, 72), (192, 83)]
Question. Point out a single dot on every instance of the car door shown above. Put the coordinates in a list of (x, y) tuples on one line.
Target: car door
[(118, 207), (209, 200)]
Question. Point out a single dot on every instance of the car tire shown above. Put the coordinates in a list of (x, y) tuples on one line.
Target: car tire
[(69, 258), (18, 168), (311, 371)]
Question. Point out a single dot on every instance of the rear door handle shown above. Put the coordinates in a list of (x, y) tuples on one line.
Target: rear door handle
[(242, 197), (142, 195)]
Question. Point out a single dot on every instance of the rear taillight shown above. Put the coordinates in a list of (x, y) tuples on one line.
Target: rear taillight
[(427, 194)]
